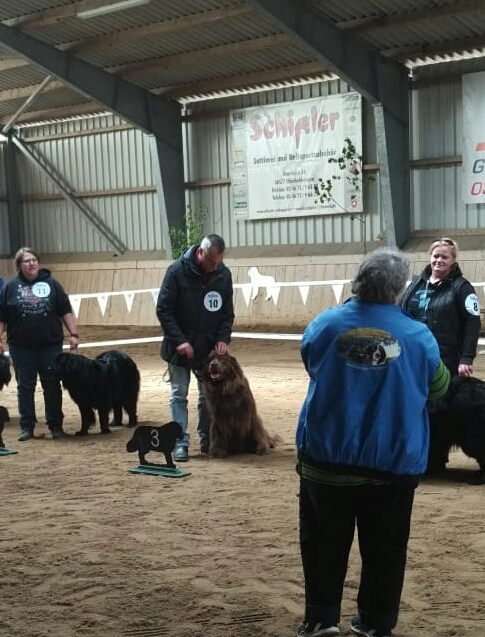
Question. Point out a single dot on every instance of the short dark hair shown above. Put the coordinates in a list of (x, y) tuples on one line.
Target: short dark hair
[(213, 242), (382, 276)]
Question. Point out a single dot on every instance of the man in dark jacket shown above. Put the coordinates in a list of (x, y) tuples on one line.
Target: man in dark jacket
[(195, 310)]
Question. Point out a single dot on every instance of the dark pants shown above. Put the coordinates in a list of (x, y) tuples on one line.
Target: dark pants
[(328, 515), (28, 363)]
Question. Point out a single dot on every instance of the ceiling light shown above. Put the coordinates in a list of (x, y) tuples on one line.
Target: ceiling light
[(89, 10)]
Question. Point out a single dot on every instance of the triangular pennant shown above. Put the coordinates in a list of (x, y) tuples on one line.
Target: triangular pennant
[(76, 304), (155, 296), (246, 290), (102, 301), (304, 289), (275, 292), (129, 296), (337, 290)]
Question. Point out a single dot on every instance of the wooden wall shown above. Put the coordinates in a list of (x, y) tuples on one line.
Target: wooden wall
[(289, 314)]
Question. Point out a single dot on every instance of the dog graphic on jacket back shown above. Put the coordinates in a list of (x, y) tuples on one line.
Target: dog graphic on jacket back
[(259, 280)]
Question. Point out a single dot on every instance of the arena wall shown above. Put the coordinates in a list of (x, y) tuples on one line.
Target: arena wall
[(123, 292)]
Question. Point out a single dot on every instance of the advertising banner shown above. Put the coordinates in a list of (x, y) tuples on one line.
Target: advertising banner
[(280, 151), (473, 151)]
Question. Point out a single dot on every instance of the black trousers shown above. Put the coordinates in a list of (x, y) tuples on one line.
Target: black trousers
[(328, 517)]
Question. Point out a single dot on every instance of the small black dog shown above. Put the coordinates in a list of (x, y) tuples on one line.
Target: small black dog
[(4, 417), (5, 375), (109, 382), (162, 439), (458, 420)]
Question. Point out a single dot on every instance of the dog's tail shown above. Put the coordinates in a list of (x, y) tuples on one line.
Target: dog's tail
[(275, 440)]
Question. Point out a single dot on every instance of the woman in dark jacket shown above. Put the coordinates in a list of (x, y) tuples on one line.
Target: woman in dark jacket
[(443, 299), (33, 309)]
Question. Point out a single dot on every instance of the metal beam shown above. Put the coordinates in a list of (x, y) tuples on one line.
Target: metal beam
[(392, 139), (15, 226), (114, 241), (152, 114), (116, 94), (26, 104), (378, 80)]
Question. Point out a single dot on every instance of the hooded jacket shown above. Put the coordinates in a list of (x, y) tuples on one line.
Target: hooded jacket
[(195, 307), (33, 310), (451, 310)]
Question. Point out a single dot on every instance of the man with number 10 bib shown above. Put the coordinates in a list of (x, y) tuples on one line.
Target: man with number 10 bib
[(195, 310)]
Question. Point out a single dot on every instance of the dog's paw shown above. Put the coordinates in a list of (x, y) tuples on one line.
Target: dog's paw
[(105, 431), (81, 432)]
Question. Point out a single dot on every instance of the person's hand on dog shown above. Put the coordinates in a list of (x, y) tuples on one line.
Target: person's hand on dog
[(185, 349), (465, 370), (221, 347)]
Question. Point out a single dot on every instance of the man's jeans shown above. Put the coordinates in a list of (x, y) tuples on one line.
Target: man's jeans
[(179, 389), (28, 363)]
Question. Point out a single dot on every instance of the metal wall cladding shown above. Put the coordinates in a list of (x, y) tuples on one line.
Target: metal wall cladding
[(437, 134), (105, 162), (4, 226), (208, 140)]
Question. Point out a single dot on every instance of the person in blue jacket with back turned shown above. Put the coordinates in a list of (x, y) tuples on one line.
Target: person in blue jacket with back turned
[(362, 441)]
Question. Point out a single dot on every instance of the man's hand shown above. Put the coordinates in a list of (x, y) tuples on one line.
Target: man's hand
[(185, 349), (221, 347)]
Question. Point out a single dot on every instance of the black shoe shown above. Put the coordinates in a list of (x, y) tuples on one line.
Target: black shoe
[(358, 628), (317, 629), (57, 433)]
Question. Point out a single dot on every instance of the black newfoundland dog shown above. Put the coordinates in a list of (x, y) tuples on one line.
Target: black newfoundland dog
[(111, 381), (161, 439), (458, 420), (5, 374), (4, 417)]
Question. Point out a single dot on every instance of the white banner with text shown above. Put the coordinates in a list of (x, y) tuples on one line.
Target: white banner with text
[(280, 151), (473, 151)]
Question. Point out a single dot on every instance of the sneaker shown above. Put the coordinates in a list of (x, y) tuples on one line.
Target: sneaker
[(181, 453), (317, 629), (204, 448), (358, 628), (26, 434)]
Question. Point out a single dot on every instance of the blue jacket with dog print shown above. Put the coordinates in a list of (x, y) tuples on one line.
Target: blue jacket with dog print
[(371, 367)]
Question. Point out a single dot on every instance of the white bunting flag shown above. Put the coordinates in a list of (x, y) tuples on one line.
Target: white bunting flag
[(246, 290), (275, 292), (129, 296), (337, 290), (155, 296), (76, 304), (102, 301), (304, 289)]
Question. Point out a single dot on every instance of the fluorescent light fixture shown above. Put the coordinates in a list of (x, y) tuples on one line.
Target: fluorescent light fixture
[(89, 9)]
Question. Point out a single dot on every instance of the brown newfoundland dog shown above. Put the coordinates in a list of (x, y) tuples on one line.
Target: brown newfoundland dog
[(109, 382), (234, 426)]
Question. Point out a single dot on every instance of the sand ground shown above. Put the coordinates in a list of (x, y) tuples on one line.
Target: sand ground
[(89, 549)]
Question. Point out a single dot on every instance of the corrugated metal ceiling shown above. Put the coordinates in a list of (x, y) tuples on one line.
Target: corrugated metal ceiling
[(185, 49)]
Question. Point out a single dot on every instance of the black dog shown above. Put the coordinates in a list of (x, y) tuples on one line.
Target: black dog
[(5, 375), (162, 439), (109, 382), (458, 420), (4, 417)]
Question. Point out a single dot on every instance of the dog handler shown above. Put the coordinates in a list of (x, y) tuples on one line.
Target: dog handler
[(195, 310), (362, 441), (33, 308)]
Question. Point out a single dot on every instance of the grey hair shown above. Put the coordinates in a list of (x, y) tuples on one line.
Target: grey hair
[(214, 242), (382, 276)]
